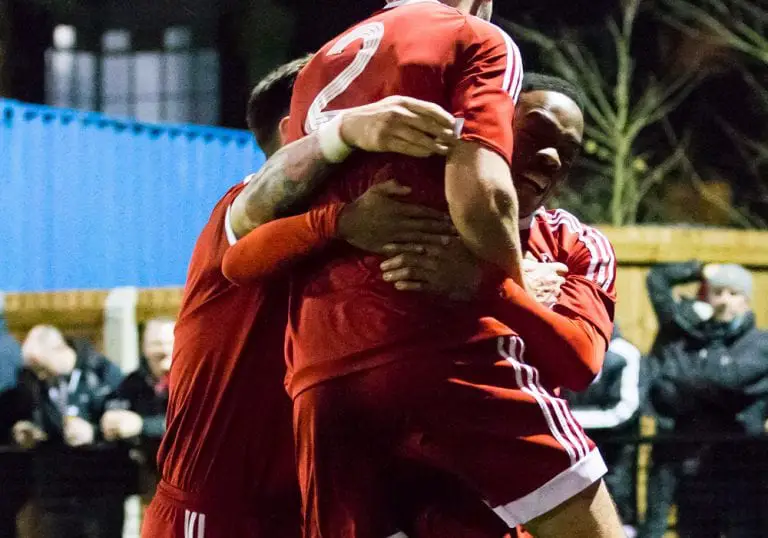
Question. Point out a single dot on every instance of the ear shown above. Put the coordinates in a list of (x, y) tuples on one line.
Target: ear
[(282, 130)]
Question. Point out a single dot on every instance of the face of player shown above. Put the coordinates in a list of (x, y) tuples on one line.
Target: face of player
[(157, 347), (728, 304), (549, 128)]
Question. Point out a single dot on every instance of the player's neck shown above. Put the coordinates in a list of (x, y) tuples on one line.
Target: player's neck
[(524, 223)]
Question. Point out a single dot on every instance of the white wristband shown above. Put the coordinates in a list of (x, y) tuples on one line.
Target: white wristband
[(334, 149)]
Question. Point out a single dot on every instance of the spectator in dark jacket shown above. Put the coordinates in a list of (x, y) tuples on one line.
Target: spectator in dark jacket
[(137, 408), (10, 353), (712, 379), (59, 396), (609, 411), (135, 412)]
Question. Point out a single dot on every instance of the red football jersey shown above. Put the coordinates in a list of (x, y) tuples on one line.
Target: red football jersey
[(229, 435), (343, 317), (589, 290)]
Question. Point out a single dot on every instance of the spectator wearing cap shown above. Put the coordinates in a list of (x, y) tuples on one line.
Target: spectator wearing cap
[(712, 379)]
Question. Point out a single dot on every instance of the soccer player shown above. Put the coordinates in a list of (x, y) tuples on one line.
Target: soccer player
[(548, 130), (380, 375), (226, 460)]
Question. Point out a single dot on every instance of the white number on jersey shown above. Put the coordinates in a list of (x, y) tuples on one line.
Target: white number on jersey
[(371, 35)]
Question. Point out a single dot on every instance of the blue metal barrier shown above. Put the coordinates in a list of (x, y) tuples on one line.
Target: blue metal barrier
[(88, 201)]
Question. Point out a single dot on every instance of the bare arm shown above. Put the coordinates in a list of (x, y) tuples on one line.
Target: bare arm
[(483, 205), (289, 178), (286, 181)]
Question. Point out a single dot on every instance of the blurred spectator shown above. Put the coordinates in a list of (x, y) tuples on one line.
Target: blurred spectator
[(10, 352), (60, 392), (609, 411), (712, 378), (136, 410)]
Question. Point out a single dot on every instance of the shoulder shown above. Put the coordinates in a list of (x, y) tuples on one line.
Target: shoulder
[(588, 251), (567, 228)]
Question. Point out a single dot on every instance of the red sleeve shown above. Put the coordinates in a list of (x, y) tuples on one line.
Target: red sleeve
[(277, 245), (567, 352), (488, 83), (589, 291)]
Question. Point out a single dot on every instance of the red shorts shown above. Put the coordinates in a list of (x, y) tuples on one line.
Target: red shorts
[(479, 414), (174, 514)]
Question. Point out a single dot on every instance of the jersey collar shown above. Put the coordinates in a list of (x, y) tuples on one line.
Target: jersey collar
[(398, 3), (527, 222)]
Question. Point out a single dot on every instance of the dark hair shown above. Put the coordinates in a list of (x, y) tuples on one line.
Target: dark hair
[(539, 82), (271, 98)]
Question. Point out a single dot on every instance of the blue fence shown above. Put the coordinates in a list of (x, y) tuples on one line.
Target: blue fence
[(88, 201)]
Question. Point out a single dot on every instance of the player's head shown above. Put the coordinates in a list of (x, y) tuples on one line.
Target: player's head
[(549, 126), (269, 104), (479, 8), (157, 345)]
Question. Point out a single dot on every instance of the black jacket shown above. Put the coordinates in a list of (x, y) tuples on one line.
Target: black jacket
[(139, 392), (710, 377), (82, 393)]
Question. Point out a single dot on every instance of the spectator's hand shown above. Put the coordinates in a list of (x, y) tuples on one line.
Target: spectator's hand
[(121, 424), (377, 219), (28, 435), (449, 270), (78, 431), (544, 279), (401, 125)]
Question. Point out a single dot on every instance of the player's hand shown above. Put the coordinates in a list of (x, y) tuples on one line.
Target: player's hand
[(544, 280), (77, 431), (401, 125), (28, 435), (449, 270), (121, 424), (377, 219)]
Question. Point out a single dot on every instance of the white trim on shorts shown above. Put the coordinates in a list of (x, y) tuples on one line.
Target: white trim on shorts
[(567, 484), (190, 529), (586, 466)]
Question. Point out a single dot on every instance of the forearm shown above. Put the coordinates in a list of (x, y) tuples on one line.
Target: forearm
[(277, 245), (492, 234), (660, 282), (567, 351), (281, 186)]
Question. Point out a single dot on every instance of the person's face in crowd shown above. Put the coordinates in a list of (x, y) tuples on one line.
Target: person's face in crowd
[(47, 354), (549, 127), (157, 347), (728, 304)]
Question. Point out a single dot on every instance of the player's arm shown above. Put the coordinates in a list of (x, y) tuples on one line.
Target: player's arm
[(371, 222), (478, 185), (290, 177), (483, 206), (575, 332)]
